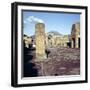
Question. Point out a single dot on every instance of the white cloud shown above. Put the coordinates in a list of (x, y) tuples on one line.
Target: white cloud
[(33, 19), (25, 21)]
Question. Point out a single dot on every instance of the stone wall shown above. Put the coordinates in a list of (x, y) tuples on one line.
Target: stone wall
[(58, 41)]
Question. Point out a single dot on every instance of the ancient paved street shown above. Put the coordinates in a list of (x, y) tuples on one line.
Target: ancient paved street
[(61, 61)]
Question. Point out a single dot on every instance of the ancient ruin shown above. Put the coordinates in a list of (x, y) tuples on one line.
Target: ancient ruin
[(58, 41), (52, 54), (75, 36), (40, 40), (44, 40), (27, 41)]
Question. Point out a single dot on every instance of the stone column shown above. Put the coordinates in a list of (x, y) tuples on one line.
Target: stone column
[(76, 42), (72, 43), (40, 41)]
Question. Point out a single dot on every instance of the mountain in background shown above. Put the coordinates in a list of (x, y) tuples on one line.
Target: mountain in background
[(56, 33), (52, 33)]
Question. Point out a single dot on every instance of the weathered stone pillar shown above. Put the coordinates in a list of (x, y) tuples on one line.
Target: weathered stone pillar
[(76, 42), (40, 41), (72, 43)]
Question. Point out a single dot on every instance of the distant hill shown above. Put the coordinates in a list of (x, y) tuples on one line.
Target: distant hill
[(51, 33), (55, 33)]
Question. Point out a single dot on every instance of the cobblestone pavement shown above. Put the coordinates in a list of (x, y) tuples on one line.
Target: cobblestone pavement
[(60, 61)]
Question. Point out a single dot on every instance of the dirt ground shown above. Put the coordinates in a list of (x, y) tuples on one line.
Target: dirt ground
[(60, 61)]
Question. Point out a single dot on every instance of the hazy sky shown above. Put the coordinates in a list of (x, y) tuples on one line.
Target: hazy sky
[(61, 22)]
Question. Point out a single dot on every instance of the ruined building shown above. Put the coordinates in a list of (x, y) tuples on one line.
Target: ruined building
[(75, 36), (27, 41), (72, 41), (57, 41)]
